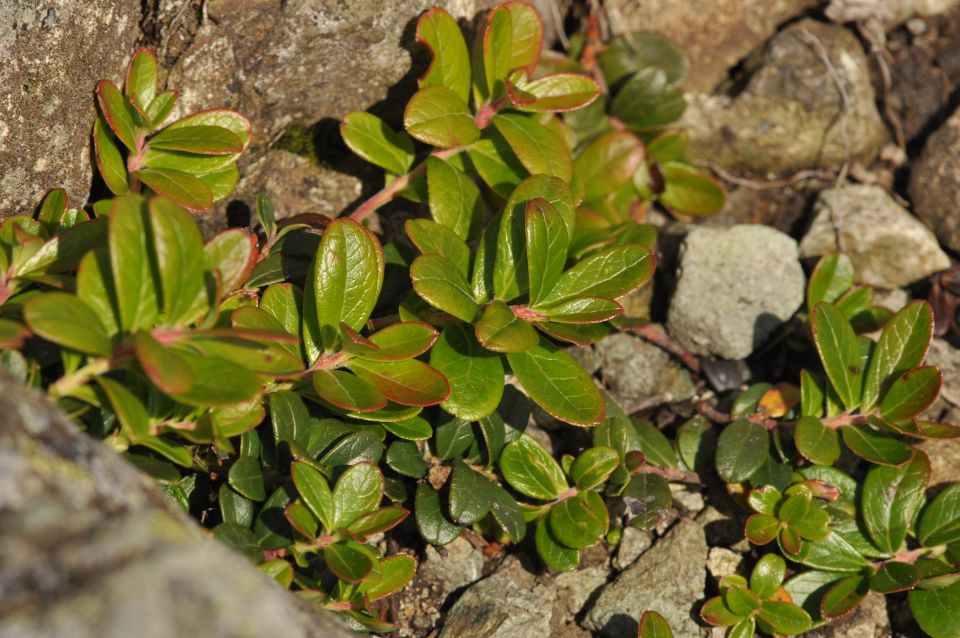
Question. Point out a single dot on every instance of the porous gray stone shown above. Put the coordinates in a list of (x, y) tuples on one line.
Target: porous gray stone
[(888, 246), (92, 548), (935, 183), (809, 103), (669, 578), (735, 286), (52, 53), (637, 373), (868, 620)]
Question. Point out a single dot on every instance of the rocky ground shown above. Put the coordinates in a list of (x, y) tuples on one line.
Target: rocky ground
[(834, 125)]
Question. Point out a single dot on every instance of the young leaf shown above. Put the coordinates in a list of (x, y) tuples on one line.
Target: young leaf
[(554, 554), (911, 393), (475, 374), (783, 617), (437, 116), (891, 498), (347, 391), (224, 118), (349, 561), (178, 247), (530, 470), (161, 106), (491, 54), (109, 161), (839, 351), (768, 575), (902, 345), (547, 242), (691, 192), (67, 321), (404, 340), (186, 190), (432, 238), (372, 139), (133, 278), (450, 66), (233, 253), (455, 200), (580, 521), (816, 442), (526, 36), (141, 82), (552, 93), (653, 625), (607, 163), (163, 365), (410, 382), (558, 384), (246, 478), (539, 149), (832, 277), (114, 108), (610, 273), (437, 280), (393, 575), (500, 330), (593, 467)]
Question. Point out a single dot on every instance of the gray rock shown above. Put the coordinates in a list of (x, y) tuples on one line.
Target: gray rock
[(93, 549), (944, 458), (638, 374), (505, 605), (459, 565), (632, 545), (300, 61), (791, 114), (715, 34), (947, 358), (669, 578), (935, 183), (888, 12), (723, 562), (868, 620), (51, 56), (575, 588), (888, 246), (735, 287)]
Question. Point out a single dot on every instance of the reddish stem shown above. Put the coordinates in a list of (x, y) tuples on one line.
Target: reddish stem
[(394, 188), (656, 335)]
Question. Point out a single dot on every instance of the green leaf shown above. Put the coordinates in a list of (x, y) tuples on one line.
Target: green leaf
[(431, 522), (742, 448), (279, 570), (245, 477), (289, 418), (832, 277), (233, 253), (201, 139), (500, 330), (496, 163), (437, 116), (816, 442), (648, 498), (455, 200), (508, 515), (648, 101), (349, 561), (558, 384), (741, 600), (372, 139), (115, 111), (538, 148), (593, 467), (839, 351), (654, 444), (610, 273), (315, 492), (403, 340), (160, 107), (141, 82), (392, 576), (410, 382), (768, 575), (184, 189), (891, 498), (875, 447), (491, 54), (607, 163), (811, 395), (224, 118), (715, 612), (178, 247), (937, 611), (67, 321), (940, 522), (761, 529), (554, 554), (136, 289), (404, 458), (530, 470), (580, 521), (437, 280), (165, 368), (347, 391), (239, 538), (691, 192), (895, 576), (911, 393), (344, 284), (272, 528), (109, 161), (475, 374), (234, 508), (834, 554), (450, 66), (377, 521), (526, 36), (902, 345), (363, 446), (670, 146), (843, 596), (556, 92), (357, 492), (653, 625), (783, 617), (432, 238), (547, 242), (471, 494)]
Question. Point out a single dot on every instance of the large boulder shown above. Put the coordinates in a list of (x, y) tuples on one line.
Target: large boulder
[(715, 34), (735, 287), (808, 104), (935, 183), (888, 246), (92, 548), (51, 55)]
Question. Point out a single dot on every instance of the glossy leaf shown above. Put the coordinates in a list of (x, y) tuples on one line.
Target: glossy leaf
[(653, 625), (937, 611), (839, 351), (357, 492), (475, 374), (347, 391), (491, 55), (843, 596), (133, 278), (580, 521), (558, 384), (184, 189), (471, 494), (530, 470), (610, 273), (761, 529), (538, 148), (875, 447), (607, 163), (895, 576), (552, 552), (372, 139), (546, 243), (433, 525), (233, 253), (902, 345), (690, 192), (349, 561), (315, 492), (67, 321), (245, 477), (816, 442), (552, 93), (742, 448), (165, 368), (450, 66), (500, 330), (109, 161), (911, 393), (178, 247), (768, 575), (200, 139), (593, 467), (832, 277), (437, 280), (393, 575), (409, 382), (783, 617), (435, 115), (141, 81), (940, 522), (115, 111)]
